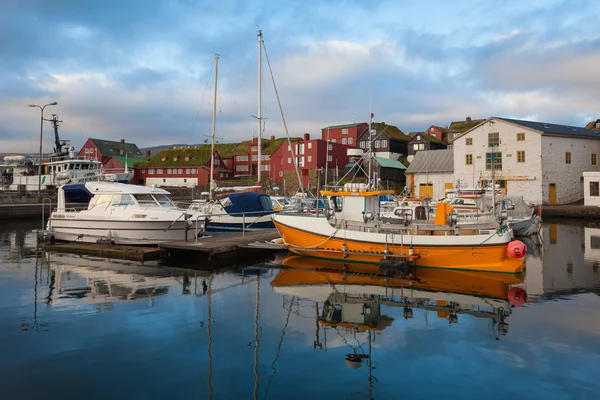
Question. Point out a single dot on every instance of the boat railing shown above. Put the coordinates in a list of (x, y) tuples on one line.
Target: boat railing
[(244, 215)]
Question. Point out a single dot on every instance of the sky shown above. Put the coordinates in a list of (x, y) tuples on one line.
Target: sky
[(143, 70)]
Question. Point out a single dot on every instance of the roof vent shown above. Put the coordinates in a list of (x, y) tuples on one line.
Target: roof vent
[(574, 129), (546, 126)]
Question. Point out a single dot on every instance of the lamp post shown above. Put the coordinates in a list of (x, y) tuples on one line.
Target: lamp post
[(41, 130)]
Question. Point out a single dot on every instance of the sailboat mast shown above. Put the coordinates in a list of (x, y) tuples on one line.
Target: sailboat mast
[(212, 142), (259, 115), (370, 150)]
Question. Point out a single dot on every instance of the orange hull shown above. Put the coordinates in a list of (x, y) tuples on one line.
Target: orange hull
[(306, 271), (483, 258)]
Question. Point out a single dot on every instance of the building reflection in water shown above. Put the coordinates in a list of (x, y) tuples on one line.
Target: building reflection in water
[(563, 260)]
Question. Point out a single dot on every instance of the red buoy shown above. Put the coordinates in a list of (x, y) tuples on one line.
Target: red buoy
[(517, 249), (517, 297)]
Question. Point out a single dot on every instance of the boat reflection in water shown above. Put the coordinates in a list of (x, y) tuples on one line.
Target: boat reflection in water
[(352, 294), (94, 280)]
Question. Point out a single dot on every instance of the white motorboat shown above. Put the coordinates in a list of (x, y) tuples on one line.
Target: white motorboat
[(121, 214)]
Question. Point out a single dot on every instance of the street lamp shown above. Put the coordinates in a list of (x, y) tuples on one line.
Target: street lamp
[(41, 130)]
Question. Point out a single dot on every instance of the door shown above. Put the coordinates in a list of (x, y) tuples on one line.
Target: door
[(426, 190), (552, 193)]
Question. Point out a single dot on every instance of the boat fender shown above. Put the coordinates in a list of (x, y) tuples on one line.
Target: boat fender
[(517, 297), (516, 249)]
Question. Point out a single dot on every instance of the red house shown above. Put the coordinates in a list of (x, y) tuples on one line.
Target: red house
[(181, 166), (245, 156), (101, 150), (310, 156), (344, 134)]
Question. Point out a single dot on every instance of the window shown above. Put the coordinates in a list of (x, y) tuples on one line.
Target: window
[(362, 145), (350, 141), (309, 145), (469, 159), (309, 158), (469, 141), (330, 146), (594, 159), (280, 173), (384, 143), (568, 157), (521, 156), (187, 171), (594, 189), (595, 242), (143, 170), (416, 146), (496, 158), (329, 158), (377, 144), (332, 140), (345, 131), (194, 171), (289, 160), (520, 137), (493, 139), (343, 140), (254, 158), (151, 171), (180, 171), (170, 171), (159, 171), (421, 146), (254, 148)]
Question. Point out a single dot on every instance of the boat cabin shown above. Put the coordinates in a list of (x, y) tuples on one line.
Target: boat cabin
[(353, 202), (111, 194)]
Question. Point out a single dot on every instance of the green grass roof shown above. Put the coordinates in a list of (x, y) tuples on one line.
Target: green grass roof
[(199, 156), (463, 126), (270, 146), (392, 131)]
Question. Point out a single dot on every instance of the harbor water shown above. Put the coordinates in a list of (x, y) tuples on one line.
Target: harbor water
[(87, 327)]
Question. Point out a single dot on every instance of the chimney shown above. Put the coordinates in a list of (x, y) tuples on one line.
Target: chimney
[(122, 140), (468, 119), (307, 136), (148, 153), (272, 137)]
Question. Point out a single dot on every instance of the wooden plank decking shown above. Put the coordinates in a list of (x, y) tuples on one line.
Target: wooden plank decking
[(222, 243), (133, 253)]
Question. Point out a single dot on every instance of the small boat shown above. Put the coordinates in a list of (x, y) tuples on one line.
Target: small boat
[(351, 230), (121, 214), (236, 212)]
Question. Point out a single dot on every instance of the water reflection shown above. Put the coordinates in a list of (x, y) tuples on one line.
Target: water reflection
[(563, 260), (352, 294), (301, 328)]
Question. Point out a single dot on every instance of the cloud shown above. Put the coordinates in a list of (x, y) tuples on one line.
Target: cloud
[(142, 70)]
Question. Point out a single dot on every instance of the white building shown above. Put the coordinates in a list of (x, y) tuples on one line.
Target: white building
[(591, 188), (542, 162), (431, 173)]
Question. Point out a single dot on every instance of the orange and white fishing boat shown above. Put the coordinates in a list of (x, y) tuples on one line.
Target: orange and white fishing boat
[(352, 230)]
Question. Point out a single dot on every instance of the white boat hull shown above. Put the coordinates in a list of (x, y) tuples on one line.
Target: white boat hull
[(90, 230)]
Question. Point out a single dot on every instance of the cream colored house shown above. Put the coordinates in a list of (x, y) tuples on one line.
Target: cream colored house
[(430, 173), (542, 162)]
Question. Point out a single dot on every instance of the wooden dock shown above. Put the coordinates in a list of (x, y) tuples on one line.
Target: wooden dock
[(218, 244), (132, 253)]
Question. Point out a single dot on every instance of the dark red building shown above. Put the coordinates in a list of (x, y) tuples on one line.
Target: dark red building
[(310, 155), (344, 134)]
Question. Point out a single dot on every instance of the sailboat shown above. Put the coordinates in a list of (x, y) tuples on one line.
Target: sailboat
[(245, 211), (351, 230)]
